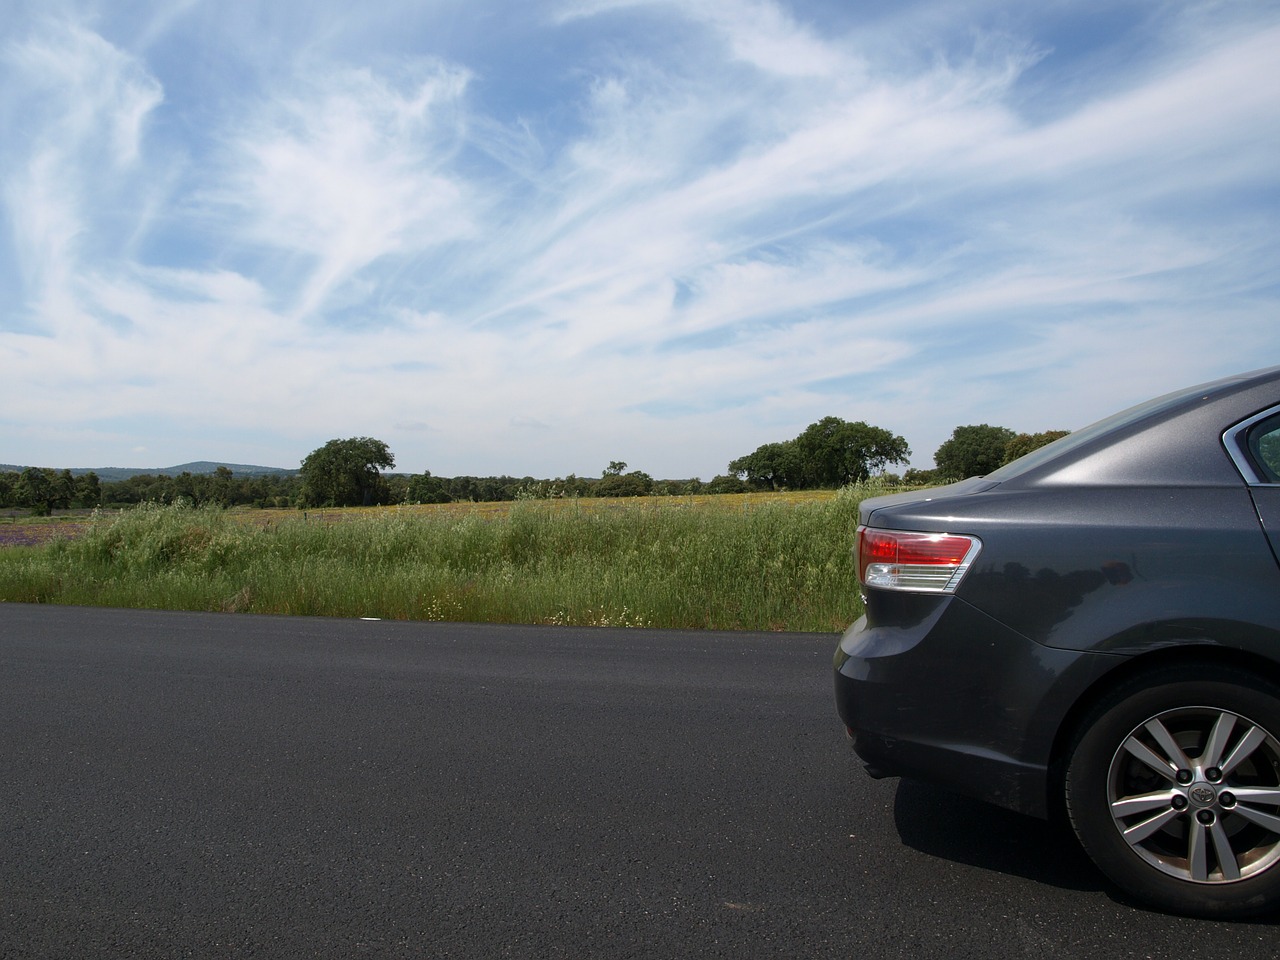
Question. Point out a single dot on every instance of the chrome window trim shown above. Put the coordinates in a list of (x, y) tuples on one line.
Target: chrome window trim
[(1235, 442)]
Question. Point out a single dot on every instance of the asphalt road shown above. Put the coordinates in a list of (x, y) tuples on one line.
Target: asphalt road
[(177, 785)]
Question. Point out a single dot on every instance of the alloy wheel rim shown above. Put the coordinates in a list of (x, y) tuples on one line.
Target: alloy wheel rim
[(1195, 792)]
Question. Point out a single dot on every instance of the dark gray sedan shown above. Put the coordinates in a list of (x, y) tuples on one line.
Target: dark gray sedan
[(1094, 630)]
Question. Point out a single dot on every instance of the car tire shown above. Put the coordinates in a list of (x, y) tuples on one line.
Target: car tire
[(1173, 788)]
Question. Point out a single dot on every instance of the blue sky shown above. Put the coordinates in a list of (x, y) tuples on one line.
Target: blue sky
[(534, 238)]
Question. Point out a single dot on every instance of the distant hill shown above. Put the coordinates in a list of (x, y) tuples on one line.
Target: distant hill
[(115, 474)]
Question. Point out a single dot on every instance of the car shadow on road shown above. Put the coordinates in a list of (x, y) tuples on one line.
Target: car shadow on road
[(939, 823), (953, 827)]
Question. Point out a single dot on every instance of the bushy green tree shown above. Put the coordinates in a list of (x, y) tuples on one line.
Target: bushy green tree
[(835, 452), (615, 483), (727, 483), (1024, 443), (773, 466), (920, 478), (41, 490), (424, 488), (972, 451), (678, 488), (344, 473), (830, 453)]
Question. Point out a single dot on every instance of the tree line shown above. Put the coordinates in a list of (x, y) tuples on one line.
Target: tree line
[(834, 453), (43, 490), (976, 450), (830, 453)]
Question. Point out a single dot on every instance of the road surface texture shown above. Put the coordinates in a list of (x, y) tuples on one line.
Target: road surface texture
[(207, 785)]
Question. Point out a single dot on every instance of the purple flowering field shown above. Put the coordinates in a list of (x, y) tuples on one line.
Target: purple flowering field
[(33, 533)]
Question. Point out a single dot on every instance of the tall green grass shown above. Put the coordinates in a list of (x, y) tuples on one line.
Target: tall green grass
[(651, 562)]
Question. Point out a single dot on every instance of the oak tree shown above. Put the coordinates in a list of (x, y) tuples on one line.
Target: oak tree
[(344, 473), (972, 451)]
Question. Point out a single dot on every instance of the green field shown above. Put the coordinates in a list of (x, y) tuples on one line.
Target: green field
[(734, 562)]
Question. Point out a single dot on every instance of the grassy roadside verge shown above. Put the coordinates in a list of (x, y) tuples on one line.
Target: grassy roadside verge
[(768, 564)]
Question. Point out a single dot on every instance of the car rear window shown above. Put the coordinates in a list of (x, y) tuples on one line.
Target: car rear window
[(1264, 447)]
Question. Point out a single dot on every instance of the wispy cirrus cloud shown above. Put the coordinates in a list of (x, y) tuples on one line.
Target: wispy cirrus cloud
[(81, 104), (350, 168), (675, 232)]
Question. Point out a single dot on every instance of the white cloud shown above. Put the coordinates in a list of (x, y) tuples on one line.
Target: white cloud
[(680, 231), (1218, 107), (349, 169), (94, 94), (762, 34), (81, 105), (766, 36)]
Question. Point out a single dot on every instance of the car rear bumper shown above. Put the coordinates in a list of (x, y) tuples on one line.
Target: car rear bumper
[(952, 697)]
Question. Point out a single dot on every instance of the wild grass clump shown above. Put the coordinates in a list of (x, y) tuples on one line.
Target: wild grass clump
[(751, 564)]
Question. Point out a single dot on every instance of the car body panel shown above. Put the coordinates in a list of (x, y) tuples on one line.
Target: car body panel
[(987, 729), (1141, 536), (1266, 500), (1096, 564)]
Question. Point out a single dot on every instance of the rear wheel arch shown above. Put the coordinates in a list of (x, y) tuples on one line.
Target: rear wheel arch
[(1133, 673)]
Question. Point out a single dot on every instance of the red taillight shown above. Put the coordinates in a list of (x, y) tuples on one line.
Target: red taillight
[(906, 560)]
